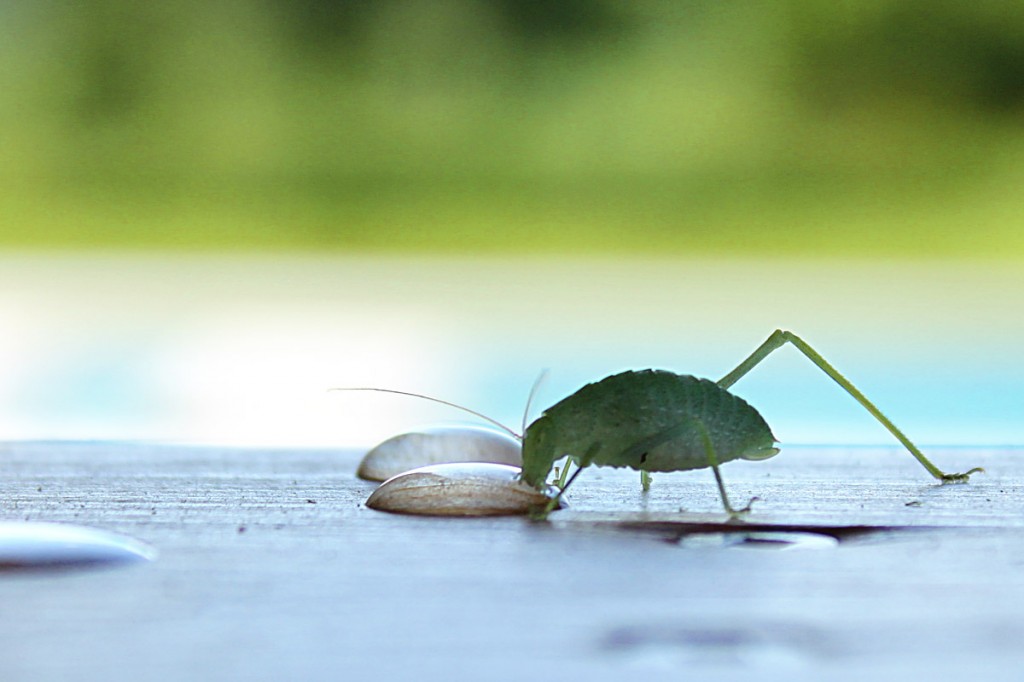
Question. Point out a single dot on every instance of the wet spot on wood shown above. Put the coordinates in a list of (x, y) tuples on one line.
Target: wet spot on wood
[(689, 535)]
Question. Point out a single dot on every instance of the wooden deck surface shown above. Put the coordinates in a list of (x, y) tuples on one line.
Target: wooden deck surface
[(271, 568)]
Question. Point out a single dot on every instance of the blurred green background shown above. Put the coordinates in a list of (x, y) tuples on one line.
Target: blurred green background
[(873, 128)]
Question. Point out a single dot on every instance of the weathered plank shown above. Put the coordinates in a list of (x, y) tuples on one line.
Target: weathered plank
[(270, 568)]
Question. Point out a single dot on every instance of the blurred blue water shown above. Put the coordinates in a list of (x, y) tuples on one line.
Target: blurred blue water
[(243, 350)]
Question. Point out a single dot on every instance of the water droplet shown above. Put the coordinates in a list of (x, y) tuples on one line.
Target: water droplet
[(438, 445), (33, 544)]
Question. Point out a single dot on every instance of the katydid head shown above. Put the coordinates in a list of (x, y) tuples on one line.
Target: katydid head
[(539, 452)]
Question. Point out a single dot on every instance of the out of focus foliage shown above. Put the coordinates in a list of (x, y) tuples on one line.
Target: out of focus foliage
[(875, 127)]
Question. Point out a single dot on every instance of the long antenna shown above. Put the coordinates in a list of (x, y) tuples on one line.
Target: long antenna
[(437, 400), (533, 392)]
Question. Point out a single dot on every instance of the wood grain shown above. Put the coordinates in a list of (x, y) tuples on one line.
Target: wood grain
[(271, 568)]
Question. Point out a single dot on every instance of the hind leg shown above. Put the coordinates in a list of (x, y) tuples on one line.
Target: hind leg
[(780, 338)]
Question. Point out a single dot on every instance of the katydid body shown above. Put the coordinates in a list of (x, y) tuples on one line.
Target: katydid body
[(659, 421), (651, 421), (656, 421)]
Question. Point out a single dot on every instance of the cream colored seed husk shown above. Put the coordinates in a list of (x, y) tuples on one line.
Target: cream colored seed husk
[(458, 489)]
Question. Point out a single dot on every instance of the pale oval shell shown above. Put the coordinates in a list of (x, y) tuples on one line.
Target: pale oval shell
[(458, 489), (437, 446)]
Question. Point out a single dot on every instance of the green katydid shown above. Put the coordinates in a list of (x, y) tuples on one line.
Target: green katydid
[(660, 421)]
